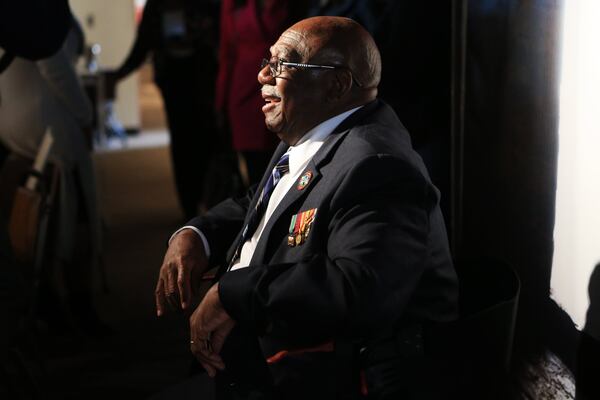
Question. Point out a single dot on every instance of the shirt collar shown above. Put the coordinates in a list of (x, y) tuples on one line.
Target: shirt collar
[(310, 143)]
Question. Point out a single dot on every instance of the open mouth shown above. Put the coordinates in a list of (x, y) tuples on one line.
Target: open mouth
[(270, 102)]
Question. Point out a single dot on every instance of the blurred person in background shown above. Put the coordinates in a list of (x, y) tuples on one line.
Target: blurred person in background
[(181, 35), (248, 29), (37, 95), (32, 29)]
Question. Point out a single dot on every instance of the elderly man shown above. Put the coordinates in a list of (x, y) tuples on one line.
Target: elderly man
[(339, 251)]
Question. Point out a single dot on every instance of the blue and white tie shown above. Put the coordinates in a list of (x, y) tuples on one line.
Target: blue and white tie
[(281, 168)]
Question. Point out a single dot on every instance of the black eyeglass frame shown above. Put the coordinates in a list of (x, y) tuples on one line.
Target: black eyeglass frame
[(280, 62)]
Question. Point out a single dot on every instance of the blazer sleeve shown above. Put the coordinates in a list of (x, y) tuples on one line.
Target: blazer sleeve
[(375, 254), (146, 39), (222, 223)]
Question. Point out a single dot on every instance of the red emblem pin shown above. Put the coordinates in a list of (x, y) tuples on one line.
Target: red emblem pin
[(304, 180)]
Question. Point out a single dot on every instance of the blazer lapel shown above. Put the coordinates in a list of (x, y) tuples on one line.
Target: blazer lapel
[(294, 194)]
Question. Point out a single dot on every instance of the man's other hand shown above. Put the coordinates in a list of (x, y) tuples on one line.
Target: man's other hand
[(181, 270), (209, 327)]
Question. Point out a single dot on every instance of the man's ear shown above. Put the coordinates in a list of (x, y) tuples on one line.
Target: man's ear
[(340, 84)]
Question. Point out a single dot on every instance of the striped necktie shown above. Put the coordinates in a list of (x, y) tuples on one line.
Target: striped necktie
[(281, 168)]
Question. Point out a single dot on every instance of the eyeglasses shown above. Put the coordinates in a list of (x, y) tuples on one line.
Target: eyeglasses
[(276, 65)]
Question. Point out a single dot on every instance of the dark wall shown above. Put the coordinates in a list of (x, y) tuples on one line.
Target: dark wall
[(414, 40), (510, 149)]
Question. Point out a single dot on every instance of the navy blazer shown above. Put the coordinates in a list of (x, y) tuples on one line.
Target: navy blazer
[(376, 254)]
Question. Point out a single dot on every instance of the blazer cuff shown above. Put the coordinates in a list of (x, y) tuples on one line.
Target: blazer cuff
[(236, 293)]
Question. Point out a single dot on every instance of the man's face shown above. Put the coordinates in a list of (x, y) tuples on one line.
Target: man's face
[(295, 99)]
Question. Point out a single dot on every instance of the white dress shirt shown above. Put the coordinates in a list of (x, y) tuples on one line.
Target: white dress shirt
[(300, 155)]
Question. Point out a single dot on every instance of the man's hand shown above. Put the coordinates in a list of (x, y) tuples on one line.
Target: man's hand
[(209, 327), (182, 268)]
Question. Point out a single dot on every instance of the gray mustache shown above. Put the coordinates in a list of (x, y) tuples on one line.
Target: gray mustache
[(270, 91)]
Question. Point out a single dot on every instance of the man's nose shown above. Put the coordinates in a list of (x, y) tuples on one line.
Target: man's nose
[(265, 77)]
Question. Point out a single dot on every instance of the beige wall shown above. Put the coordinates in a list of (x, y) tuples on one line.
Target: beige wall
[(111, 24)]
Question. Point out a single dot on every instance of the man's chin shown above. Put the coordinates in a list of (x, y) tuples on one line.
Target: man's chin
[(272, 126), (277, 129)]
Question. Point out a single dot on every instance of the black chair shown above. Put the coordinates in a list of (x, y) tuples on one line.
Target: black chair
[(476, 349), (465, 359)]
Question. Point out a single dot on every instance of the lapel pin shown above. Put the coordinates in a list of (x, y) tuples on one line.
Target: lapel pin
[(304, 180)]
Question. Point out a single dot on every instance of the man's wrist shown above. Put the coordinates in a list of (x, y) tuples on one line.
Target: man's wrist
[(192, 230)]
